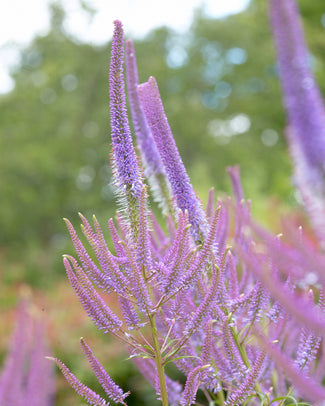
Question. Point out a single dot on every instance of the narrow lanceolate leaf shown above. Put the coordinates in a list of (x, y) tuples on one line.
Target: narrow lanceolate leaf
[(125, 161), (174, 167), (247, 387), (113, 391), (90, 396), (92, 303), (176, 256), (305, 108)]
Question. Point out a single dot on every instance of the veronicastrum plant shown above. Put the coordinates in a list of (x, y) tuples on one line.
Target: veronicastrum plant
[(27, 377), (237, 311)]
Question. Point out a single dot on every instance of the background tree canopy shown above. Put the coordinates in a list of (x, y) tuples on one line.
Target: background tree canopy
[(222, 97)]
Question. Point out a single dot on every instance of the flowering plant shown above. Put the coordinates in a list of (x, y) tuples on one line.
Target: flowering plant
[(239, 312), (27, 377)]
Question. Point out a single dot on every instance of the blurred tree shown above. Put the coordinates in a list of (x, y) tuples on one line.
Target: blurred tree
[(54, 140), (222, 97)]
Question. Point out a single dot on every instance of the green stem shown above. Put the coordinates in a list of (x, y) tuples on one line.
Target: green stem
[(133, 213), (165, 195), (221, 397), (159, 363), (243, 354)]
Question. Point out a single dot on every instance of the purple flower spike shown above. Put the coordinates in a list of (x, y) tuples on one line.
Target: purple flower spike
[(248, 384), (11, 378), (154, 168), (302, 98), (91, 397), (40, 383), (176, 172), (27, 377), (113, 391), (191, 386), (305, 108), (147, 145), (311, 389), (124, 158)]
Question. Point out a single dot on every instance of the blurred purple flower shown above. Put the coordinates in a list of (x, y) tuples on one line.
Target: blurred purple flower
[(305, 108)]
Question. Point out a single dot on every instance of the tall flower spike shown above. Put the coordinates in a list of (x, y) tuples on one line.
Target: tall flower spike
[(91, 397), (27, 377), (176, 172), (305, 109), (87, 263), (150, 156), (191, 386), (143, 254), (91, 301), (140, 290), (248, 384), (124, 160), (113, 391), (40, 383), (11, 379), (202, 312)]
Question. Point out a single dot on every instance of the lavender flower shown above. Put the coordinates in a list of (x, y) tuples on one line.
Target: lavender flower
[(126, 171), (124, 158), (154, 169), (93, 304), (27, 376), (112, 390), (248, 385), (176, 172), (188, 298), (305, 108), (90, 396), (191, 386)]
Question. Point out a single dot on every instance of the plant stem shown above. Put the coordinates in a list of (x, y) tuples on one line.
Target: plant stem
[(221, 397), (159, 364), (243, 353)]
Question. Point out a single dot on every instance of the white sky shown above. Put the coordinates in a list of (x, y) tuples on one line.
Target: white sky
[(20, 20)]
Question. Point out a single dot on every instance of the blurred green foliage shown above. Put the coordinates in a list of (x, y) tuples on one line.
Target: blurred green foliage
[(221, 93)]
